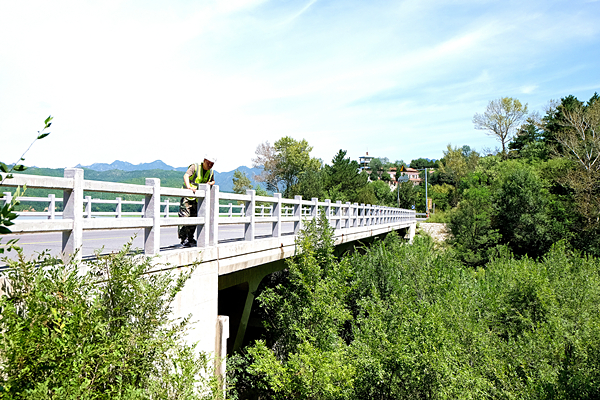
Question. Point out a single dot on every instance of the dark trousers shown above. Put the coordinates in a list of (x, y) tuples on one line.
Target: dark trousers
[(187, 208)]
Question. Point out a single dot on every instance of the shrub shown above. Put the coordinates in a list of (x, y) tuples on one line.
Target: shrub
[(105, 333)]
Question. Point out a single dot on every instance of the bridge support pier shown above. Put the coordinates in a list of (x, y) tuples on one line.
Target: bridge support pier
[(239, 335), (199, 297), (411, 232), (241, 287)]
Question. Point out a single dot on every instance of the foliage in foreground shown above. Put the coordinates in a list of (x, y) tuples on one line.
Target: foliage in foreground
[(406, 322), (7, 215), (101, 334)]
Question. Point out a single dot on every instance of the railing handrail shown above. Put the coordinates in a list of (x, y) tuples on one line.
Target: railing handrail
[(77, 214)]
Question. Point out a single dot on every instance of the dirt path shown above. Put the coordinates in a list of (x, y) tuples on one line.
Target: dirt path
[(437, 231)]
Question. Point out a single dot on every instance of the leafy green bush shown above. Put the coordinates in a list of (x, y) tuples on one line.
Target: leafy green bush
[(521, 211), (398, 321), (304, 355), (474, 235), (440, 217), (96, 331)]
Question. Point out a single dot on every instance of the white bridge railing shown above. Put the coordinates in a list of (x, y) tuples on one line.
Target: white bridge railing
[(247, 209)]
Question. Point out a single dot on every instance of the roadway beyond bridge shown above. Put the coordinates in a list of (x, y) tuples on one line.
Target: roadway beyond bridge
[(241, 239)]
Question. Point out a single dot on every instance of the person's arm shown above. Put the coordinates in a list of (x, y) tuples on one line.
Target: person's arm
[(186, 181), (186, 178)]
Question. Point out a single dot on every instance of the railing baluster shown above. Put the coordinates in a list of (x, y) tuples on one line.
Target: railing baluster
[(7, 198), (88, 206), (167, 208), (249, 226), (51, 206), (152, 210), (204, 210), (72, 240), (298, 214), (213, 236), (277, 212), (338, 214), (119, 208)]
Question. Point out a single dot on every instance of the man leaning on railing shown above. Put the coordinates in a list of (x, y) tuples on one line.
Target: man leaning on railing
[(195, 175)]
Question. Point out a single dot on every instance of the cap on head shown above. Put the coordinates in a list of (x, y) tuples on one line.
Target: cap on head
[(210, 158)]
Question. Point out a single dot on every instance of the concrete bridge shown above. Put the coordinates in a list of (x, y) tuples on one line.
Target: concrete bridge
[(220, 293)]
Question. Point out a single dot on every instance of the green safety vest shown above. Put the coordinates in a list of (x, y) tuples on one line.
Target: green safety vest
[(200, 176)]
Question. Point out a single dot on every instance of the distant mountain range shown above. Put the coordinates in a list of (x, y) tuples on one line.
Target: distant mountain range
[(126, 166), (223, 179)]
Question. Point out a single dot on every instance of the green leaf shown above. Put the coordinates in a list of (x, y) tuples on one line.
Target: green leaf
[(50, 117), (43, 135), (20, 168), (3, 167), (4, 230)]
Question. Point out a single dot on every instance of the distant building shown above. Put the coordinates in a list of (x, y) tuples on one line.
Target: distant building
[(364, 161), (413, 174)]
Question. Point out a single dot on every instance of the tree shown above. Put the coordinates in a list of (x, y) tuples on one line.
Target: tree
[(579, 142), (530, 141), (266, 158), (284, 163), (457, 163), (522, 218), (442, 196), (501, 119), (581, 139), (407, 195), (378, 166), (473, 233), (421, 163), (344, 178), (311, 184), (383, 193), (241, 182)]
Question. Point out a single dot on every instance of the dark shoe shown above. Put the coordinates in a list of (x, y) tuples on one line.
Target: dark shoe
[(193, 242)]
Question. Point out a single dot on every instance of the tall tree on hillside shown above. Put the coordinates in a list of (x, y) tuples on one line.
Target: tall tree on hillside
[(241, 182), (284, 163), (345, 179), (501, 119)]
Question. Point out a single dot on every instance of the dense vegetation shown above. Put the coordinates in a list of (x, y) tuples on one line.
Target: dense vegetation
[(97, 331), (398, 321)]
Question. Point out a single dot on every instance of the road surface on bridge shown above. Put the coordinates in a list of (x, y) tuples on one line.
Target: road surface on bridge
[(113, 240)]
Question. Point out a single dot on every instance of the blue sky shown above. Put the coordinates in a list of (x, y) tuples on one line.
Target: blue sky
[(137, 80)]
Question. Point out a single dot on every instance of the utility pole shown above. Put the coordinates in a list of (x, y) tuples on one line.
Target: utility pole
[(426, 199)]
